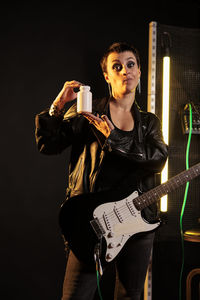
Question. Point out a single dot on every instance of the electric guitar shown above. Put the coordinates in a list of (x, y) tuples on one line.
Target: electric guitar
[(88, 219)]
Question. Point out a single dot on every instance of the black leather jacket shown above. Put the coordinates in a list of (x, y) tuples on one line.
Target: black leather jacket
[(89, 146)]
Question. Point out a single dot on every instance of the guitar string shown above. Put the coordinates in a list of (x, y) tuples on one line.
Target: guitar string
[(123, 211), (146, 200), (149, 197)]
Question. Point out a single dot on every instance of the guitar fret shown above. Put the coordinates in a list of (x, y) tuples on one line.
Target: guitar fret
[(160, 192), (156, 193), (195, 172)]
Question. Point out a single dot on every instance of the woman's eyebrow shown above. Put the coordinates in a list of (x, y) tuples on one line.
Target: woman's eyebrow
[(131, 57), (117, 60)]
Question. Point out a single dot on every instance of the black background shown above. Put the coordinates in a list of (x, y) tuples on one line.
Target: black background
[(43, 45)]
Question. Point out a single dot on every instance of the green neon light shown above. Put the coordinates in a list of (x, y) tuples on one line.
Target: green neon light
[(184, 203)]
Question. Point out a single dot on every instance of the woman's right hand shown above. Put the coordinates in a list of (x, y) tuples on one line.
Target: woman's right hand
[(67, 93)]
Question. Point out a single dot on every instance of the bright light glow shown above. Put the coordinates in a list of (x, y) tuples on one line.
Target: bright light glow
[(164, 178), (165, 123)]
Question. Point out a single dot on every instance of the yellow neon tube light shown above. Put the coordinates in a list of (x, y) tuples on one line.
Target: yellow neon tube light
[(165, 123)]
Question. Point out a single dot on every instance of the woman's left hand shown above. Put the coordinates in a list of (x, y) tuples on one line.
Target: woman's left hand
[(103, 124)]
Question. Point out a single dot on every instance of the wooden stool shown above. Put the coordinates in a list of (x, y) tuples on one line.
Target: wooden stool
[(192, 235)]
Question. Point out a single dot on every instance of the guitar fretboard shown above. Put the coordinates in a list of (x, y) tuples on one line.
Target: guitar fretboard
[(172, 184)]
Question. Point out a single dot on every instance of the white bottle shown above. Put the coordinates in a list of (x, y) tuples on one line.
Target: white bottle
[(84, 99)]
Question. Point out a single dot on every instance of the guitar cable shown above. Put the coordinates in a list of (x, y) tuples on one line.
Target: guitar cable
[(98, 284), (99, 269), (184, 202)]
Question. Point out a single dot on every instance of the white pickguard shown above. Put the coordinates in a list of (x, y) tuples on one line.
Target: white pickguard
[(120, 220)]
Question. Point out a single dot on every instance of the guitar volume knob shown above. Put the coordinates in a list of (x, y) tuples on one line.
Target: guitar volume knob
[(111, 245), (110, 234), (108, 256)]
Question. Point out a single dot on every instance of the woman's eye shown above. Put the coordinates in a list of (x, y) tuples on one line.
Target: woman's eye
[(130, 64), (117, 67)]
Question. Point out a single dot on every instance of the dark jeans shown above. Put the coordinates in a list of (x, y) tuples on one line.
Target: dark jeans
[(128, 271)]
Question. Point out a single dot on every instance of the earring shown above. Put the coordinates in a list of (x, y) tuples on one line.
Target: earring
[(139, 86), (110, 90)]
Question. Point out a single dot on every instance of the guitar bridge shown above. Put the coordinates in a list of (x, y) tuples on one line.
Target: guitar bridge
[(97, 227)]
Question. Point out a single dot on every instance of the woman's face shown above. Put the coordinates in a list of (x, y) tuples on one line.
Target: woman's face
[(122, 73)]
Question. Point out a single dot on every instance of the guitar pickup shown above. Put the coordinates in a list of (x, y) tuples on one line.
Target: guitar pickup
[(97, 227)]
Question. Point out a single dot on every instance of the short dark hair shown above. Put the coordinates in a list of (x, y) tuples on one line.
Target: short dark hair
[(118, 47)]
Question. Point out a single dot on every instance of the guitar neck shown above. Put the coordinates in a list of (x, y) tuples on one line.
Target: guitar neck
[(172, 184)]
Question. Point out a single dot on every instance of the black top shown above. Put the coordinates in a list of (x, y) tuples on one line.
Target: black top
[(115, 170)]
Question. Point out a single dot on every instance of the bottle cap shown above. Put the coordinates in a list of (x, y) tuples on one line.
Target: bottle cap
[(84, 87)]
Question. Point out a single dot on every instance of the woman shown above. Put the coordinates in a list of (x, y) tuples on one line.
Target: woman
[(117, 146)]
